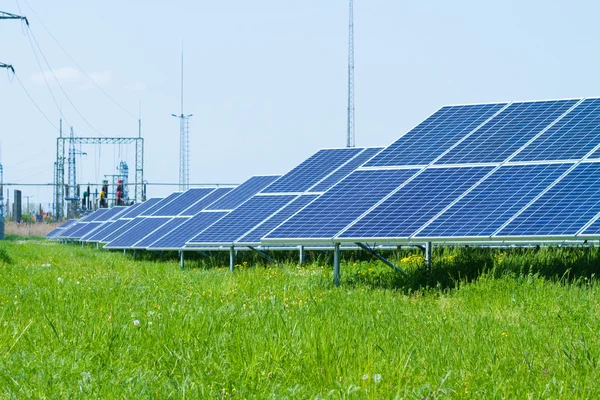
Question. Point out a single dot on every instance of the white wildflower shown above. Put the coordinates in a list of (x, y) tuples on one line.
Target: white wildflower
[(365, 377), (377, 378), (136, 322), (59, 279)]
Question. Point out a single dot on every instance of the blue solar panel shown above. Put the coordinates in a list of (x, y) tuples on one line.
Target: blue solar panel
[(243, 192), (61, 228), (106, 229), (239, 221), (160, 232), (491, 204), (341, 204), (593, 229), (140, 231), (400, 215), (120, 229), (435, 135), (564, 209), (346, 169), (576, 134), (254, 236), (182, 202), (109, 214), (94, 214), (312, 170), (507, 132), (206, 201), (177, 238), (160, 204), (138, 208), (78, 230)]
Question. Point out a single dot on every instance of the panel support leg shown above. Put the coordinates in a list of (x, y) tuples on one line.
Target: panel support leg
[(97, 245), (124, 251), (428, 247), (336, 264), (232, 258), (381, 258), (134, 254), (181, 259), (301, 254), (265, 255), (82, 244)]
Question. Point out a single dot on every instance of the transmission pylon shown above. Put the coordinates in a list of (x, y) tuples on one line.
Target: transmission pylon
[(6, 15), (350, 139), (184, 142)]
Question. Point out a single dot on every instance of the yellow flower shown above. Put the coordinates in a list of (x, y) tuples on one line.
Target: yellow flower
[(504, 334)]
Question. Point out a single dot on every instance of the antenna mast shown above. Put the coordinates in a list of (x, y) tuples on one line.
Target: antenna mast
[(350, 140), (184, 140)]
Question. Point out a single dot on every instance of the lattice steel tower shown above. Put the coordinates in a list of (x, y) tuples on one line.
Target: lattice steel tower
[(184, 142), (350, 140)]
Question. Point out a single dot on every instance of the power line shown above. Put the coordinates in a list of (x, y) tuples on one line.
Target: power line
[(78, 66), (35, 104)]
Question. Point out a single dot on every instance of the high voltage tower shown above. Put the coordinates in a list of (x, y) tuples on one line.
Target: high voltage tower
[(184, 142), (5, 15), (350, 140)]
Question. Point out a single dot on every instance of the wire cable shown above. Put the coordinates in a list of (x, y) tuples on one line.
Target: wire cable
[(35, 104), (78, 66)]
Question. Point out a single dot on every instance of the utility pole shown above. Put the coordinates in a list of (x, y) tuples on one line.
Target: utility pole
[(184, 140), (350, 139)]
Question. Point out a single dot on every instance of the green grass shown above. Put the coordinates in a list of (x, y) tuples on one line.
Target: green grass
[(520, 323)]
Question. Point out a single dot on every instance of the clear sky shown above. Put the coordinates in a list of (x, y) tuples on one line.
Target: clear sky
[(266, 80)]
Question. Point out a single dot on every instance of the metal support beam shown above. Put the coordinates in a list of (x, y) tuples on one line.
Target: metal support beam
[(428, 247), (181, 259), (301, 255), (232, 258), (336, 264), (381, 258), (265, 255)]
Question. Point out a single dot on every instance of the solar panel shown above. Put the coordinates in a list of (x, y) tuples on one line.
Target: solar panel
[(239, 221), (78, 230), (346, 169), (134, 210), (61, 227), (119, 229), (435, 135), (243, 192), (182, 202), (570, 138), (254, 236), (341, 205), (94, 214), (311, 171), (507, 132), (109, 214), (142, 229), (160, 232), (485, 209), (206, 201), (160, 204), (104, 231), (564, 209), (407, 209), (177, 238)]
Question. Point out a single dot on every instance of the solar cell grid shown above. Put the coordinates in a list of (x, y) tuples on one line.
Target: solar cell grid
[(312, 170), (109, 214), (507, 132), (435, 135), (564, 209), (243, 192), (491, 204), (160, 232), (206, 201), (159, 204), (182, 202), (119, 229), (346, 169), (177, 238), (254, 236), (104, 231), (340, 205), (405, 211), (242, 219), (145, 227), (139, 208)]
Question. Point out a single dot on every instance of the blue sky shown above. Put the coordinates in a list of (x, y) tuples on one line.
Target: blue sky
[(266, 80)]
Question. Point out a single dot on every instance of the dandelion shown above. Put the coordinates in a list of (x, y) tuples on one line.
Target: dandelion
[(365, 377), (59, 279), (504, 334), (136, 322), (377, 378)]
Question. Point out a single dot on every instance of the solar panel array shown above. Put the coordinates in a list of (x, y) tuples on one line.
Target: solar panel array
[(505, 171)]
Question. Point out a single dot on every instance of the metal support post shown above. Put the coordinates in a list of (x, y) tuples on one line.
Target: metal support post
[(265, 255), (381, 258), (232, 258), (301, 251), (336, 264), (428, 247), (181, 259)]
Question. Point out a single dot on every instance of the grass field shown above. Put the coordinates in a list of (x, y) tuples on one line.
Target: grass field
[(82, 323)]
